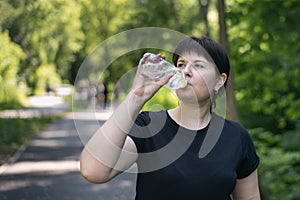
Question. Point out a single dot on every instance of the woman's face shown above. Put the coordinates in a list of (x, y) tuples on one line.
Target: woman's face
[(202, 78)]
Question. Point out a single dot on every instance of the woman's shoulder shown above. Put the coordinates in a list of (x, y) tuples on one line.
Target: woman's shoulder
[(236, 129), (230, 123), (232, 126)]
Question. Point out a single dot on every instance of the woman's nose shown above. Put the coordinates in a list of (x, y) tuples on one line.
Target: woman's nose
[(188, 70)]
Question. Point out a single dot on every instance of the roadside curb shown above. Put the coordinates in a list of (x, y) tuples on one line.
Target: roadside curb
[(13, 158)]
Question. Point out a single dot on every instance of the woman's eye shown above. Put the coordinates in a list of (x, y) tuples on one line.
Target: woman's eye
[(179, 65), (198, 66)]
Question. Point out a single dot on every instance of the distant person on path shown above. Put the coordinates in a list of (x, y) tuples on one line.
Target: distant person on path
[(105, 93), (48, 88), (91, 96), (168, 146), (100, 89)]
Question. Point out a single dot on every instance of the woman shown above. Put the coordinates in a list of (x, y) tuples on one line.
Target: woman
[(168, 145)]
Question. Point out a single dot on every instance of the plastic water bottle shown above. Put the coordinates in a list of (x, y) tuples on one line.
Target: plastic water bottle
[(155, 67)]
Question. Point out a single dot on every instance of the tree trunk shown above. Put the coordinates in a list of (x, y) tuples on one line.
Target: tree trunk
[(232, 111), (204, 5)]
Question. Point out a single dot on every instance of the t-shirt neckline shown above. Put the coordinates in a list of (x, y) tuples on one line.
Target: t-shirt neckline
[(198, 131)]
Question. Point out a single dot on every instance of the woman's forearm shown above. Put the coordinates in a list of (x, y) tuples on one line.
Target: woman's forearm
[(103, 150)]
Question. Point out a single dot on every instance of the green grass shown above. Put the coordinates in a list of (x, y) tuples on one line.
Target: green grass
[(15, 132)]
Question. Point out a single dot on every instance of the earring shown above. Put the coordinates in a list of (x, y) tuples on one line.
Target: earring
[(215, 92), (213, 99)]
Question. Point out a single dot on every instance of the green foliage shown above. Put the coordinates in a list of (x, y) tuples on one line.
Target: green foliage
[(100, 20), (290, 139), (162, 100), (59, 34), (8, 13), (167, 13), (279, 169), (49, 33), (106, 18), (46, 74), (264, 39), (11, 94)]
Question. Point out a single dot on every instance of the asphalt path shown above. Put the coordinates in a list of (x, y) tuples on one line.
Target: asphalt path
[(47, 167)]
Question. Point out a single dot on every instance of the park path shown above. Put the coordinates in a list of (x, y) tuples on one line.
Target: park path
[(47, 167)]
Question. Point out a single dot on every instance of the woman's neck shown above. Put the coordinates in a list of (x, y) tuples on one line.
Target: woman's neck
[(194, 117)]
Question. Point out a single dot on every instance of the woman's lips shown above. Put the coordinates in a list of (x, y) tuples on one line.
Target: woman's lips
[(188, 83)]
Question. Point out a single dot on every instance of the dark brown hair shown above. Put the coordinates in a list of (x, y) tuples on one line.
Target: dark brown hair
[(205, 46)]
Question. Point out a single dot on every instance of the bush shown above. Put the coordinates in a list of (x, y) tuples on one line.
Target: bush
[(11, 93), (279, 170), (290, 140), (44, 74)]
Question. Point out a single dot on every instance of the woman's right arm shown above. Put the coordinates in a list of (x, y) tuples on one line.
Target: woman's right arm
[(110, 151)]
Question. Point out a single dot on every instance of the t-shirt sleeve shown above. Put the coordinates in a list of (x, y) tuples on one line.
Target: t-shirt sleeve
[(249, 160)]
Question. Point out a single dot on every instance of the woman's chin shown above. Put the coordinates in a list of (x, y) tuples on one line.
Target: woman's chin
[(186, 94)]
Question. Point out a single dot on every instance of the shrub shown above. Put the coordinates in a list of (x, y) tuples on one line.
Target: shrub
[(279, 170), (11, 93)]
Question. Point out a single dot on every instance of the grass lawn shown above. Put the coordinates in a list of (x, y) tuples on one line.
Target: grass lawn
[(15, 132)]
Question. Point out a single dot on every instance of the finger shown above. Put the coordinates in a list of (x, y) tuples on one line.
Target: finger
[(165, 79), (162, 56)]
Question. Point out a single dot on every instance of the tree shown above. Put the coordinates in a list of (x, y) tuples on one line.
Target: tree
[(204, 8), (232, 112), (101, 20), (11, 93), (49, 32)]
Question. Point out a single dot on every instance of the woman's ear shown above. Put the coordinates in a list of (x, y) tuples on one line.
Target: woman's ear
[(220, 81)]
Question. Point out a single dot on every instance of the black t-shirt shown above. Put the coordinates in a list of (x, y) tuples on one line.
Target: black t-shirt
[(177, 164)]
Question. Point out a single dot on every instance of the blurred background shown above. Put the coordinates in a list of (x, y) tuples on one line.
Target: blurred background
[(44, 42)]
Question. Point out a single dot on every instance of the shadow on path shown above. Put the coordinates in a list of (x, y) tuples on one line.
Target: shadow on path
[(48, 168)]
